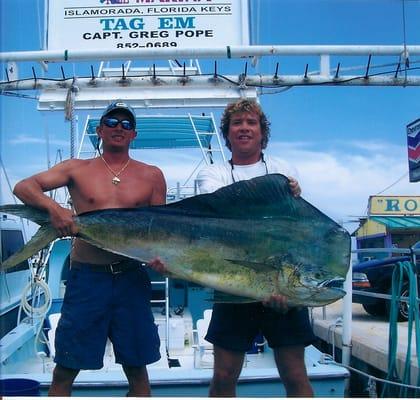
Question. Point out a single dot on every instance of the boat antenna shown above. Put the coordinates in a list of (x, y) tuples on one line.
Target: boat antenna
[(92, 73), (368, 66), (405, 53)]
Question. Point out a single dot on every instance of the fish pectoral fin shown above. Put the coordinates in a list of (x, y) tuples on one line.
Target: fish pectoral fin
[(221, 297), (256, 266)]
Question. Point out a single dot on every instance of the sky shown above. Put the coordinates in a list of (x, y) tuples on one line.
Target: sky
[(347, 143)]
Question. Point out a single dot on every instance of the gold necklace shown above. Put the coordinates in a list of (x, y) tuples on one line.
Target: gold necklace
[(115, 179)]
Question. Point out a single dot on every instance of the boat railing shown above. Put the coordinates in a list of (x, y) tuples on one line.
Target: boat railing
[(180, 192), (413, 253)]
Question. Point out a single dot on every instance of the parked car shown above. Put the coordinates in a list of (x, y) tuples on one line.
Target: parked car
[(375, 276)]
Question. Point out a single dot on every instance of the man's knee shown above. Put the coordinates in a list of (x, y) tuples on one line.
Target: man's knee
[(223, 384), (227, 364), (225, 375), (138, 381), (64, 375), (62, 382)]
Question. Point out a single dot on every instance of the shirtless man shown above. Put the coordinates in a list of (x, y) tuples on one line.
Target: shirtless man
[(107, 295)]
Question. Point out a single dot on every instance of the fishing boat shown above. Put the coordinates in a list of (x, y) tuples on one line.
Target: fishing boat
[(182, 310)]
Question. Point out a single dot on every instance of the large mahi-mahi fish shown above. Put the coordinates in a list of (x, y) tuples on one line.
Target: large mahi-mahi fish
[(249, 239)]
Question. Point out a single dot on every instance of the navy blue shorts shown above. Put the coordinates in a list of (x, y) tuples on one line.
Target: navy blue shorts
[(235, 326), (99, 305)]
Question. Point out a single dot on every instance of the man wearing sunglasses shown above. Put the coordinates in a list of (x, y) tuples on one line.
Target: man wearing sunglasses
[(107, 295)]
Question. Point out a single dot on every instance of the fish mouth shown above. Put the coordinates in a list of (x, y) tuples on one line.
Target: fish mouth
[(331, 294), (335, 283)]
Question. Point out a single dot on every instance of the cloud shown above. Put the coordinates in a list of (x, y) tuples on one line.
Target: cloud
[(340, 180), (31, 139)]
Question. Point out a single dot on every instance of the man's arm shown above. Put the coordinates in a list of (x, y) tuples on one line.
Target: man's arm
[(159, 188), (209, 180), (31, 192), (158, 198)]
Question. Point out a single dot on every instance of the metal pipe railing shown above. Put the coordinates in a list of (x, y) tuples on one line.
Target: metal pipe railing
[(226, 52)]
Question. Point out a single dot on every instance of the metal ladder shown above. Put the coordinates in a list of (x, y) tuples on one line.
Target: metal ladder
[(208, 152), (164, 301), (82, 152)]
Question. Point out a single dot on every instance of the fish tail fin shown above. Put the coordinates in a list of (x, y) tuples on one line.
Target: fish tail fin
[(36, 215), (45, 234)]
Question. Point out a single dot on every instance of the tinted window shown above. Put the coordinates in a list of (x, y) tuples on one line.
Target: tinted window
[(12, 241)]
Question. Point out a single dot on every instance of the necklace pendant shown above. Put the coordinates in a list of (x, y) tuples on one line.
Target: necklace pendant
[(116, 180)]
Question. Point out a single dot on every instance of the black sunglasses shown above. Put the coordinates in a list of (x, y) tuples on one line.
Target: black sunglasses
[(113, 122)]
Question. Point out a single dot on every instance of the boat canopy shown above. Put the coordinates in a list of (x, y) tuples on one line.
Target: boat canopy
[(164, 132)]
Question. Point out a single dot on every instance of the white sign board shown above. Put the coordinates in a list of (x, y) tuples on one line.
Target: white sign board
[(122, 24)]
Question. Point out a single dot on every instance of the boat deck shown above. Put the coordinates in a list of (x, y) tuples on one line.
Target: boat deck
[(186, 372), (259, 377), (369, 337)]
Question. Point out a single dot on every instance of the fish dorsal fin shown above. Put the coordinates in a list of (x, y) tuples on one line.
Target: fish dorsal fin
[(264, 196)]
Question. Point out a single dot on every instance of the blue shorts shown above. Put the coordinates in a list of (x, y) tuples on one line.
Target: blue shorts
[(99, 305), (235, 326)]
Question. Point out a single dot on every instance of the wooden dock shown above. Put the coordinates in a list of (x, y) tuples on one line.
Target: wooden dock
[(370, 337)]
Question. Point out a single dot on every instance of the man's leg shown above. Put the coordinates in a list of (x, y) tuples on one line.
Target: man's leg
[(138, 381), (62, 381), (227, 368), (290, 361)]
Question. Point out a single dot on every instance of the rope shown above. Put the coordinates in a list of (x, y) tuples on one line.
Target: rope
[(327, 359), (331, 333), (403, 270), (70, 114), (39, 306)]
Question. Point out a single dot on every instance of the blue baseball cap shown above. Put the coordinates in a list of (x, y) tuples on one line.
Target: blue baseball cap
[(120, 105)]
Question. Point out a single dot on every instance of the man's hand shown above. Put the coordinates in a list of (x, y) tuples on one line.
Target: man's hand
[(157, 265), (278, 302), (294, 187), (62, 220)]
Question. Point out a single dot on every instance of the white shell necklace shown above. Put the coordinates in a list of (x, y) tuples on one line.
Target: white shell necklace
[(115, 180)]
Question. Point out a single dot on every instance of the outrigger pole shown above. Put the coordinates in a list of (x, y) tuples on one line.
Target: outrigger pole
[(225, 52), (401, 73), (147, 81)]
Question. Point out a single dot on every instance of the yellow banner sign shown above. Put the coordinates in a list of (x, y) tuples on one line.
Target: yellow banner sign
[(394, 205)]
